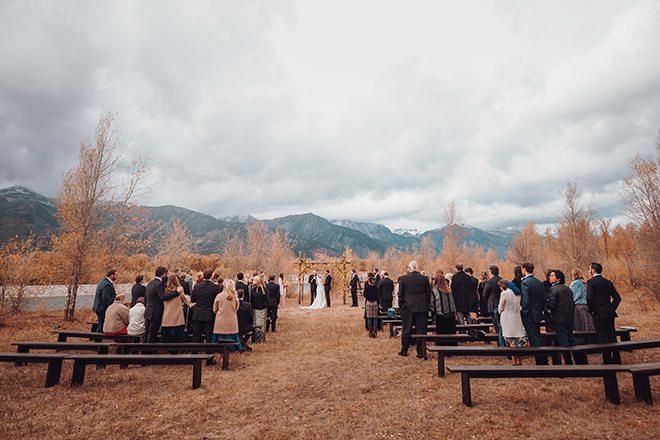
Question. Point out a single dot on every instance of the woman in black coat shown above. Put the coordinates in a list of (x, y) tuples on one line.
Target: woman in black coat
[(371, 305)]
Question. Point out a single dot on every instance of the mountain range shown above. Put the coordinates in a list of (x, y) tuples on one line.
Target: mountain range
[(23, 211)]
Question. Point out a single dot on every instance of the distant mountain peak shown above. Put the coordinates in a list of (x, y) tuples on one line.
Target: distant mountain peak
[(18, 192)]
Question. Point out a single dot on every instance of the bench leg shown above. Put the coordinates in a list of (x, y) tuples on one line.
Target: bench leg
[(21, 350), (61, 337), (78, 376), (465, 386), (441, 363), (423, 348), (391, 329), (197, 374), (611, 388), (556, 358), (625, 336), (225, 357), (642, 387), (54, 372)]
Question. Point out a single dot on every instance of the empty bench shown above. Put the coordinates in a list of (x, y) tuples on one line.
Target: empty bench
[(54, 361), (220, 346), (80, 362), (607, 372)]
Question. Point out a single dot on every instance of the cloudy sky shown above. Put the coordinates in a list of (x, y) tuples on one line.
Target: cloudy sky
[(380, 111)]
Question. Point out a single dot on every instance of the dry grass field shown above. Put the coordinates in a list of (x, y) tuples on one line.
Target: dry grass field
[(319, 376)]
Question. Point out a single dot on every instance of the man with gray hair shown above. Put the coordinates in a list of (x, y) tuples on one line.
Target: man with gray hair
[(414, 294)]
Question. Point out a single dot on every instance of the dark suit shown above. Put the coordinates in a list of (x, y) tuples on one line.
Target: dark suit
[(154, 297), (460, 289), (603, 300), (386, 287), (245, 318), (414, 296), (246, 291), (104, 297), (491, 297), (137, 291), (474, 296), (203, 318), (312, 288), (355, 282), (273, 299), (532, 303), (327, 285)]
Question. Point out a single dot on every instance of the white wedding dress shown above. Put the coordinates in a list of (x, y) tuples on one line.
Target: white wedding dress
[(319, 301)]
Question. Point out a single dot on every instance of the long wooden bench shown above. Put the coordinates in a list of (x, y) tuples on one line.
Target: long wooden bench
[(99, 347), (623, 333), (80, 362), (396, 324), (54, 361), (63, 335), (491, 351), (220, 346), (607, 372)]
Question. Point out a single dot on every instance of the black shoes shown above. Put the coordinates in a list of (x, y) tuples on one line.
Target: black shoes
[(402, 353), (419, 356), (211, 362)]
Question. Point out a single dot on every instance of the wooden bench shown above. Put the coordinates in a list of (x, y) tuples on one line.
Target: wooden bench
[(54, 361), (607, 372), (486, 350), (63, 335), (99, 347), (220, 346), (640, 374), (80, 362)]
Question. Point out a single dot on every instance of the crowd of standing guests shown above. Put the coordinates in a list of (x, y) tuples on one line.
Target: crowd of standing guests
[(210, 309), (518, 307)]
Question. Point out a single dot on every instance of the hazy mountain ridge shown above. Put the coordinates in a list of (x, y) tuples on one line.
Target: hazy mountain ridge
[(22, 211)]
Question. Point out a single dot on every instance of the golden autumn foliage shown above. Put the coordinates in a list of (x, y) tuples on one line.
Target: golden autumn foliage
[(95, 207)]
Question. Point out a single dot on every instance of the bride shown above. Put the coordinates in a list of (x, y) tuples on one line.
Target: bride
[(319, 301)]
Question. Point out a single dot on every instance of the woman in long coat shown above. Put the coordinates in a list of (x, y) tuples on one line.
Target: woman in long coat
[(226, 322)]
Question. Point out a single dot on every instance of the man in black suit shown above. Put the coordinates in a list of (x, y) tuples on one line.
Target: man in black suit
[(104, 297), (154, 297), (241, 285), (460, 289), (138, 290), (414, 294), (603, 300), (492, 294), (474, 295), (203, 295), (245, 319), (312, 286), (273, 298), (532, 305), (386, 288), (355, 284), (327, 285)]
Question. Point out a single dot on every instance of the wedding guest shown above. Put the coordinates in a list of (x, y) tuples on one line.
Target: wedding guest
[(582, 321), (460, 288), (189, 279), (474, 295), (104, 297), (138, 290), (443, 306), (245, 319), (283, 285), (154, 298), (203, 318), (116, 317), (173, 322), (355, 285), (200, 277), (273, 300), (217, 279), (371, 305), (491, 295), (510, 319), (483, 308), (414, 295), (259, 308), (533, 302), (603, 300), (561, 305), (225, 307), (549, 326), (241, 285), (386, 288), (136, 322)]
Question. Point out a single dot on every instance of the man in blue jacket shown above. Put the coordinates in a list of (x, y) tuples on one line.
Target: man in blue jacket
[(532, 304), (104, 297)]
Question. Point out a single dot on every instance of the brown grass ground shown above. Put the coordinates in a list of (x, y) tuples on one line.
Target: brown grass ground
[(319, 376)]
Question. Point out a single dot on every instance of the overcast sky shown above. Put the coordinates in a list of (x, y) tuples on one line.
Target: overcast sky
[(376, 111)]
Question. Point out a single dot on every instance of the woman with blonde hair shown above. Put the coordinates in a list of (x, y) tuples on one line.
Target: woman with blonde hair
[(226, 322), (259, 308), (173, 320), (582, 319)]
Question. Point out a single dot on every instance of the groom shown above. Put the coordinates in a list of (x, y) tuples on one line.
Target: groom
[(327, 285)]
